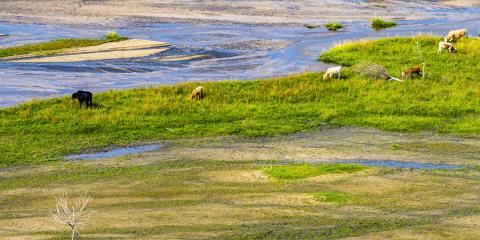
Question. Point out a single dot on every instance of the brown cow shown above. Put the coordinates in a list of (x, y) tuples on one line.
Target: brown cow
[(412, 71)]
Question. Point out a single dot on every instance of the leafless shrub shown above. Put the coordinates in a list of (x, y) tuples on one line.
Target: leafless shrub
[(417, 50), (71, 213), (371, 70)]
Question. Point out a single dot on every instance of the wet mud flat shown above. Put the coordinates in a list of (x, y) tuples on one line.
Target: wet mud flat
[(270, 12), (225, 185), (368, 147)]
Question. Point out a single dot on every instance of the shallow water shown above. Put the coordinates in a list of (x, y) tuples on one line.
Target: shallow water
[(400, 164), (234, 52), (116, 152)]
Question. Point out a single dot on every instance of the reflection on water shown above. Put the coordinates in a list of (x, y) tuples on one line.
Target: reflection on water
[(400, 164), (116, 152), (233, 52)]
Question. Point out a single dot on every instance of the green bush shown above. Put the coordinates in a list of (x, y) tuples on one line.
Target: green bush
[(378, 23), (113, 36), (333, 26)]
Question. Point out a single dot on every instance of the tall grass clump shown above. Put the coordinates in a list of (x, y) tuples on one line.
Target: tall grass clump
[(378, 24), (333, 26)]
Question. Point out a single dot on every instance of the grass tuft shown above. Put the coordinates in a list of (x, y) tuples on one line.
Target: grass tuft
[(295, 172), (378, 24), (336, 197), (333, 26)]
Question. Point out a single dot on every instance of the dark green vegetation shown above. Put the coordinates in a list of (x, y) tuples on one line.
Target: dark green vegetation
[(446, 101), (333, 26), (378, 24), (57, 46), (294, 172)]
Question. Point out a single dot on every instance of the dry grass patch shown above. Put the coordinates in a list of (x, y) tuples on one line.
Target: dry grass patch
[(237, 176), (287, 199)]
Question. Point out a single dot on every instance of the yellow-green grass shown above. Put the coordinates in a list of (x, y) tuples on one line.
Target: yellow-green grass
[(446, 101), (56, 46), (295, 172)]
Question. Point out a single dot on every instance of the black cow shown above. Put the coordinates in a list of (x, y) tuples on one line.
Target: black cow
[(83, 96)]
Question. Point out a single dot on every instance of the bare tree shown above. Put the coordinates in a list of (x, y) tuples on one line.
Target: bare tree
[(72, 213), (418, 51)]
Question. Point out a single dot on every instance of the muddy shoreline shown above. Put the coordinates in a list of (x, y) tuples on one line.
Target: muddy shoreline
[(276, 13)]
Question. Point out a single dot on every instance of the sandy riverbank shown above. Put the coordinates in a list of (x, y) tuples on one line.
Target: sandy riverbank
[(113, 12), (132, 48)]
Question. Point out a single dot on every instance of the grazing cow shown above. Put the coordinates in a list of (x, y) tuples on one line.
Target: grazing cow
[(446, 45), (83, 96), (197, 93), (412, 71), (455, 35), (333, 71)]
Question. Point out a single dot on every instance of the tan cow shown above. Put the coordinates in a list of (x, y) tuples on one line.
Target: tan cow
[(455, 35), (197, 93)]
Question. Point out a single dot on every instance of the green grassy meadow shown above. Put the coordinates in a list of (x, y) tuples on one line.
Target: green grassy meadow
[(447, 101)]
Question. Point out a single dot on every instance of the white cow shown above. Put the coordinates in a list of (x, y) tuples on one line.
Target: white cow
[(333, 71), (446, 45)]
